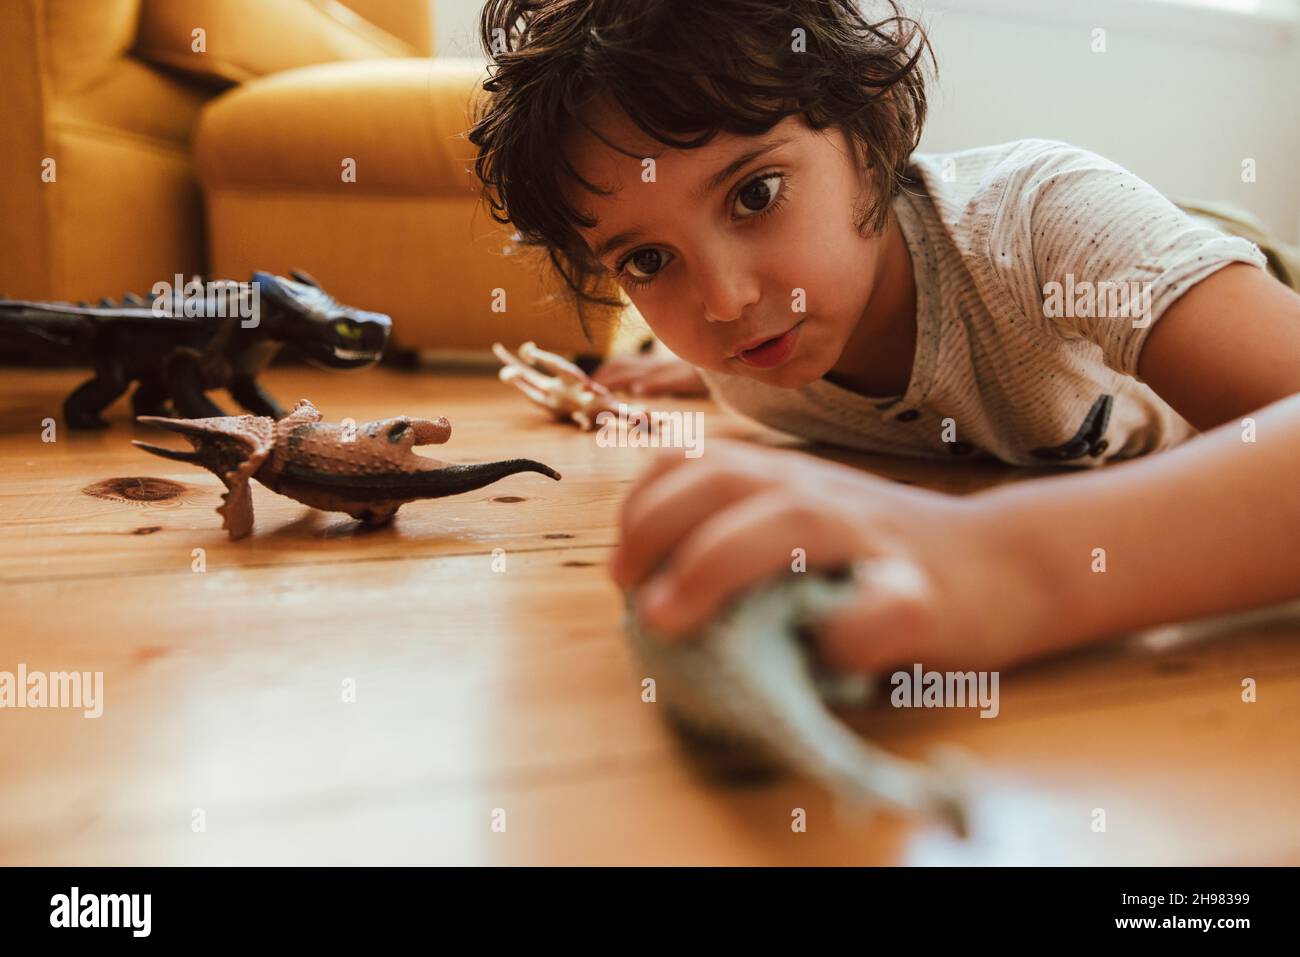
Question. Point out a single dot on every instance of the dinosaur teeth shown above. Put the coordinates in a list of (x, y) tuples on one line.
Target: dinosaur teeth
[(351, 353)]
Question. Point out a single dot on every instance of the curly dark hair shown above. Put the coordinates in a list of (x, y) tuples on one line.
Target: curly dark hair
[(682, 71)]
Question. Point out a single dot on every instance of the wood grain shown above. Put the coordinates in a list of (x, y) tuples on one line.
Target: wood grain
[(481, 689)]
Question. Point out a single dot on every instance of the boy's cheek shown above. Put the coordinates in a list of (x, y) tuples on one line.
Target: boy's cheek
[(687, 344)]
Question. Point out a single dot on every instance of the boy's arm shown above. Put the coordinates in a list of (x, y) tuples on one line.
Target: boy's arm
[(1226, 347), (1211, 526)]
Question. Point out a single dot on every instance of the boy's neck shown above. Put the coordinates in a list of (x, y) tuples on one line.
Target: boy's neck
[(877, 359)]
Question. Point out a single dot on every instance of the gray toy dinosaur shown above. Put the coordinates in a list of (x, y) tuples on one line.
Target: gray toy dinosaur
[(749, 683)]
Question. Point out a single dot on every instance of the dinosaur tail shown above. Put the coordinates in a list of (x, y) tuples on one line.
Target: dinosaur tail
[(815, 741), (865, 776), (455, 479), (46, 330)]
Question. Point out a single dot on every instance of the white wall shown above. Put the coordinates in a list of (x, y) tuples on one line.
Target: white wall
[(1181, 97), (455, 24)]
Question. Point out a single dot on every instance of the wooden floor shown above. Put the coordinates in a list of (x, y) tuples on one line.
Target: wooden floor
[(479, 690)]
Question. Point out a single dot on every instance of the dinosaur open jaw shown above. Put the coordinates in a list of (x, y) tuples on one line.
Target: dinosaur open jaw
[(195, 429), (335, 357)]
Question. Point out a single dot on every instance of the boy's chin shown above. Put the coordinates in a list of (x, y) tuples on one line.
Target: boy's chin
[(795, 374)]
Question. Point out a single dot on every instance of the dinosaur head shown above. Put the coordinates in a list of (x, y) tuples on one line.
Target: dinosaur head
[(328, 333), (232, 447), (220, 444)]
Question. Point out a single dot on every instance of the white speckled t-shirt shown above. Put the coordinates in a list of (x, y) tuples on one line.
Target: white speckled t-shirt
[(1040, 269)]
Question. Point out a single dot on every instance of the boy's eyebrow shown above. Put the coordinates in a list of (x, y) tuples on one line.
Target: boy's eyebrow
[(744, 159), (712, 183)]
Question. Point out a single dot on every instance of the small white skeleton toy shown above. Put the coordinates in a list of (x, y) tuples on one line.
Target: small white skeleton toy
[(558, 386)]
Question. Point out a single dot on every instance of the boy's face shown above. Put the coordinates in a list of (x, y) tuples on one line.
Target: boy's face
[(768, 256)]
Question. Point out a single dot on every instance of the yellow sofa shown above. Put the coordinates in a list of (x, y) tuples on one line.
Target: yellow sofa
[(145, 138)]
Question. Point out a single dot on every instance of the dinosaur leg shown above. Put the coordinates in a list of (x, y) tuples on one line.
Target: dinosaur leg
[(150, 398), (185, 385), (249, 393), (81, 409), (375, 516)]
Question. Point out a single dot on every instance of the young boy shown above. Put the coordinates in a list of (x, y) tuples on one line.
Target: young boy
[(745, 170)]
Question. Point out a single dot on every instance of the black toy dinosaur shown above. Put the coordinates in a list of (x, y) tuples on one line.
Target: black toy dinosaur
[(178, 354)]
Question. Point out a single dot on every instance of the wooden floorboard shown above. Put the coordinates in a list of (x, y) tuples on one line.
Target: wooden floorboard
[(480, 691)]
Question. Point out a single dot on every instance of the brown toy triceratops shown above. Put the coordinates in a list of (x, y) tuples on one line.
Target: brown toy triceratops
[(368, 471)]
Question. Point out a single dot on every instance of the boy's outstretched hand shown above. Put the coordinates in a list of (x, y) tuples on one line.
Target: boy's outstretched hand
[(651, 375), (945, 586)]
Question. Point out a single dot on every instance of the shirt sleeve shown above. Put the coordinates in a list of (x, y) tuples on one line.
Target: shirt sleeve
[(1109, 254)]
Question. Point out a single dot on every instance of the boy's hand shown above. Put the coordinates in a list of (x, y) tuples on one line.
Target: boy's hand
[(944, 584), (651, 375)]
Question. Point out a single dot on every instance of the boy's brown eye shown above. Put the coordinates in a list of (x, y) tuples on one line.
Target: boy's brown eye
[(646, 261), (757, 196)]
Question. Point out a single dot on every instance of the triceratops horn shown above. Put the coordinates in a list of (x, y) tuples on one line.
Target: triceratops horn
[(196, 427), (189, 456)]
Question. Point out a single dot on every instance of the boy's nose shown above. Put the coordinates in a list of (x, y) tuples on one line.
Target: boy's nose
[(727, 291), (726, 299)]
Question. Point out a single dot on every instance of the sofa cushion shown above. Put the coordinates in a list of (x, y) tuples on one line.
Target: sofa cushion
[(402, 122), (133, 100), (83, 41), (408, 20), (408, 234), (245, 39)]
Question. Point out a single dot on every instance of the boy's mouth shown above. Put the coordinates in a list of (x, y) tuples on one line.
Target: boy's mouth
[(771, 352)]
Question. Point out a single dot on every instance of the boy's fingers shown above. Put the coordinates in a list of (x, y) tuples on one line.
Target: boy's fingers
[(737, 548), (613, 372), (726, 456), (644, 376), (890, 621), (676, 493), (621, 371), (661, 464), (666, 381), (666, 511)]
